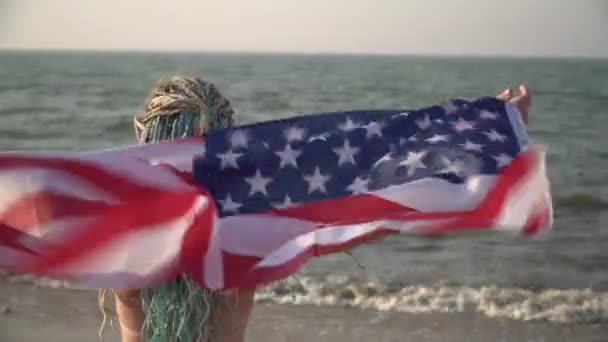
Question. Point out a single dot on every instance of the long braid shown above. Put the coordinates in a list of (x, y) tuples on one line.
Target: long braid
[(177, 107)]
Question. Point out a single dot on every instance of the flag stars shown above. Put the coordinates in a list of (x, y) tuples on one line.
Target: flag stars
[(286, 203), (413, 162), (238, 139), (228, 205), (316, 181), (359, 186), (373, 129), (471, 146), (258, 183), (294, 134), (288, 157), (495, 136), (229, 159), (346, 153)]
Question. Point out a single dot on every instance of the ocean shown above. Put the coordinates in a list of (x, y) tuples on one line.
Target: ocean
[(80, 101)]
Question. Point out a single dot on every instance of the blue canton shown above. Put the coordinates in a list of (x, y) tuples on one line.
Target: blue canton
[(283, 163)]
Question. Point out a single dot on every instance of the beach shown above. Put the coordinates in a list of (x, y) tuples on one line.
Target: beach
[(468, 287), (30, 313)]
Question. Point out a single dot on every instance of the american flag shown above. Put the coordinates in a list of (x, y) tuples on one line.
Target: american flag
[(251, 204)]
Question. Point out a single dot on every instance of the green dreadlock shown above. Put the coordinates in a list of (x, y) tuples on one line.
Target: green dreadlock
[(178, 107)]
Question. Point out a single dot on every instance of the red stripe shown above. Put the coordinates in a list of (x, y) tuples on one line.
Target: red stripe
[(196, 241), (37, 210), (89, 172), (482, 217), (11, 238), (239, 271), (536, 222), (485, 214), (140, 212), (345, 210)]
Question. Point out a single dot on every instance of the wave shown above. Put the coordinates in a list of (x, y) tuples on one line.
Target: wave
[(554, 305), (565, 306)]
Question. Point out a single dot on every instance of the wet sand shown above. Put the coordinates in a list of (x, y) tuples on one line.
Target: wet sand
[(32, 314)]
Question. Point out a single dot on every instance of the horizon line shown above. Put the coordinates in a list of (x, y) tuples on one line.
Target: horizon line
[(299, 53)]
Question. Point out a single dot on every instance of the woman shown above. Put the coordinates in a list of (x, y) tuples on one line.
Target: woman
[(181, 310)]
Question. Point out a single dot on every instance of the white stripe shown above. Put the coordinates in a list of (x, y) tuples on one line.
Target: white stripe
[(436, 194), (178, 153), (238, 233), (140, 254), (17, 183), (518, 125), (336, 235), (520, 204), (524, 199), (213, 261), (140, 171)]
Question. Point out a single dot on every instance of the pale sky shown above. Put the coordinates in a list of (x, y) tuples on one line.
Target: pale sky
[(469, 27)]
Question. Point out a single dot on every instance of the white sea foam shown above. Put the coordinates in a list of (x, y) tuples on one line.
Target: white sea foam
[(555, 305)]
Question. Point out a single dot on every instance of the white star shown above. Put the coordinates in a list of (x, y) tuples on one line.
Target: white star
[(346, 154), (502, 160), (316, 181), (286, 203), (228, 159), (359, 186), (348, 126), (488, 115), (437, 138), (238, 139), (439, 121), (495, 136), (294, 134), (471, 146), (372, 129), (412, 138), (454, 166), (288, 156), (258, 183), (463, 125), (228, 205), (424, 123), (413, 162)]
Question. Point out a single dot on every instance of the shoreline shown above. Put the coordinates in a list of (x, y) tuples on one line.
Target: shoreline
[(34, 314)]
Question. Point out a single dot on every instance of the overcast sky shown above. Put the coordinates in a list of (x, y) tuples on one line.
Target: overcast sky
[(471, 27)]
